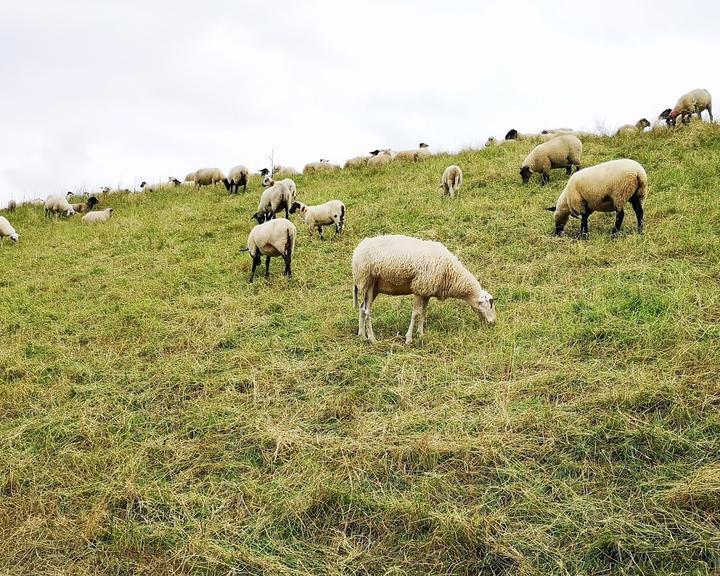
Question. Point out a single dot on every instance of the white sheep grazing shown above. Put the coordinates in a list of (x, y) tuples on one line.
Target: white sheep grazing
[(190, 177), (694, 102), (413, 155), (238, 176), (208, 176), (171, 183), (399, 265), (380, 159), (58, 204), (639, 126), (273, 238), (452, 179), (289, 182), (605, 187), (661, 122), (357, 162), (6, 229), (273, 199), (289, 170), (332, 212), (97, 217), (322, 166), (83, 207), (564, 151)]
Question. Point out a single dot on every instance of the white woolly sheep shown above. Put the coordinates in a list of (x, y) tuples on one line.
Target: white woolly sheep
[(452, 179), (694, 102), (357, 162), (6, 229), (414, 155), (605, 187), (97, 217), (399, 265), (564, 151), (381, 158), (332, 212), (289, 182), (171, 183), (273, 199), (83, 207), (289, 170), (190, 177), (238, 176), (273, 238), (58, 204), (208, 176), (639, 126), (661, 122), (322, 166)]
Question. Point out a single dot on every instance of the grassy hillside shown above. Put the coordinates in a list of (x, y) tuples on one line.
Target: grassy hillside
[(159, 415)]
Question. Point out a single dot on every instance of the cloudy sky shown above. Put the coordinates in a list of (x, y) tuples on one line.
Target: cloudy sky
[(99, 92)]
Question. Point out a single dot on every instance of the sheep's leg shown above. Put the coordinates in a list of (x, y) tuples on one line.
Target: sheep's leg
[(321, 233), (361, 321), (709, 109), (369, 298), (584, 232), (568, 169), (545, 178), (267, 266), (618, 223), (419, 304), (255, 264), (423, 312), (637, 207)]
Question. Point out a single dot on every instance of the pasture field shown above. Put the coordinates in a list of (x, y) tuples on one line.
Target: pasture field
[(160, 415)]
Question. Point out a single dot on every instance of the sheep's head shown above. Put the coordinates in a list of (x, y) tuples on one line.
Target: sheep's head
[(226, 183), (92, 201), (259, 218), (264, 172), (70, 211), (664, 114), (423, 145), (525, 174), (298, 207), (643, 123), (484, 304), (174, 181), (374, 152), (143, 184), (15, 237), (511, 135), (109, 211), (268, 181)]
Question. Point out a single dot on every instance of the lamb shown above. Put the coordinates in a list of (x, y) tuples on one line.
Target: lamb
[(208, 176), (639, 126), (332, 212), (273, 238), (83, 207), (97, 217), (562, 151), (275, 198), (605, 187), (694, 101), (399, 265), (58, 204), (6, 229), (160, 185), (413, 155), (452, 179), (289, 182), (381, 158), (238, 176)]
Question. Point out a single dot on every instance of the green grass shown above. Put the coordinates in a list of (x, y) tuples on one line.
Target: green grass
[(159, 415)]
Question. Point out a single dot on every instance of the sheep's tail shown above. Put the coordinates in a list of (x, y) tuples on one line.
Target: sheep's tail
[(355, 296), (342, 214)]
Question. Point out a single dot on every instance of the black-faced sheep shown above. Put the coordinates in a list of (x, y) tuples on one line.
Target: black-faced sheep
[(83, 207), (564, 151), (273, 238), (399, 265), (238, 176), (58, 204), (331, 212), (273, 199), (694, 102), (605, 187), (97, 217)]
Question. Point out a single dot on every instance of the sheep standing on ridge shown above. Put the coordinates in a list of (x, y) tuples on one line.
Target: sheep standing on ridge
[(661, 122), (413, 155), (273, 238), (399, 265), (58, 204), (97, 217), (288, 170), (238, 176), (639, 126), (322, 166), (564, 151), (6, 229), (208, 176), (605, 187), (289, 182), (381, 158), (452, 179), (332, 212), (694, 102), (190, 177)]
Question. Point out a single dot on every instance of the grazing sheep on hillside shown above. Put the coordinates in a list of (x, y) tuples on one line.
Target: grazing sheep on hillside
[(381, 158), (639, 126), (171, 183), (190, 177), (238, 176), (332, 212), (289, 170), (605, 187), (83, 207), (6, 229), (97, 217), (11, 206), (273, 238), (399, 265), (57, 204), (208, 176), (563, 151), (357, 162), (322, 166), (452, 179), (661, 122), (289, 182), (273, 199), (694, 102), (413, 155)]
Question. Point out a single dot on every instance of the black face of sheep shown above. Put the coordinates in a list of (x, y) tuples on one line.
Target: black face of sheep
[(226, 182), (511, 135), (295, 207), (525, 174), (374, 152), (264, 172), (665, 113), (92, 201), (143, 184)]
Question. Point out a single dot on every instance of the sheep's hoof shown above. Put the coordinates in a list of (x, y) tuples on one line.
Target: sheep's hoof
[(582, 236)]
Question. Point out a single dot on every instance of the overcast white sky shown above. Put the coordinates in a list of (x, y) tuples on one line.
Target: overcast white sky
[(100, 92)]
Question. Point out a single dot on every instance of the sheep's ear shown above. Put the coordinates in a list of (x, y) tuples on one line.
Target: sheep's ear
[(551, 209), (511, 135), (665, 113)]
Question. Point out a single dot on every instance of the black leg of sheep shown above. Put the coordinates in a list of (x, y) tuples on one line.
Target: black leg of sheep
[(637, 207), (255, 264), (584, 231), (288, 260), (618, 223), (267, 266)]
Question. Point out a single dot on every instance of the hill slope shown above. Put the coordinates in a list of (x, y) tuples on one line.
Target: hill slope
[(158, 415)]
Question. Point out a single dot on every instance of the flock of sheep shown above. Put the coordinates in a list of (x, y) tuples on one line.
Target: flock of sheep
[(402, 265)]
